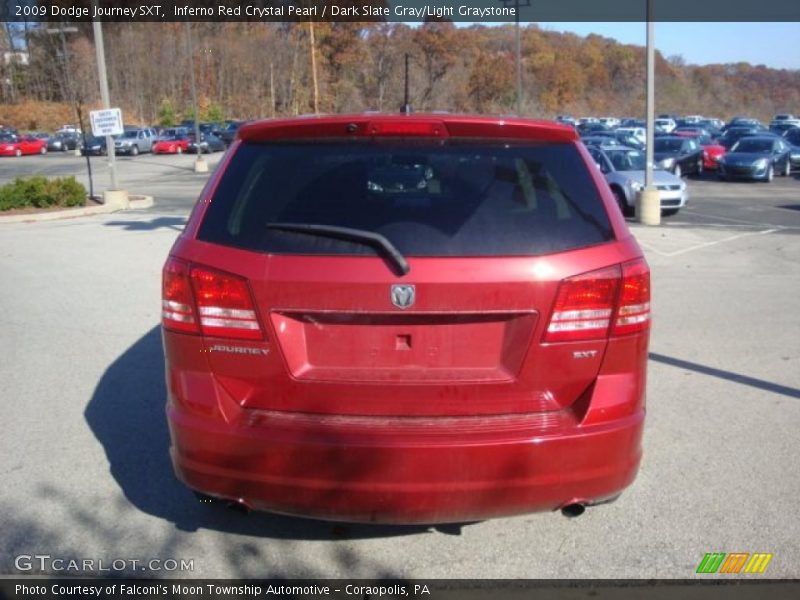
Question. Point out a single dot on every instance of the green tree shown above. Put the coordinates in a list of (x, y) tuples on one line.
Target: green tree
[(214, 113), (166, 114)]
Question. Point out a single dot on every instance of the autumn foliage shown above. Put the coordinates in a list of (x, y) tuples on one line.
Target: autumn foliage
[(252, 70)]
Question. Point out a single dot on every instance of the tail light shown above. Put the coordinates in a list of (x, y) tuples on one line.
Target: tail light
[(177, 307), (201, 300), (633, 313), (610, 301)]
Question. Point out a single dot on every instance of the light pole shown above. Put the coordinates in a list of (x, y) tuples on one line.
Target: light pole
[(114, 196), (517, 4), (648, 206), (200, 165)]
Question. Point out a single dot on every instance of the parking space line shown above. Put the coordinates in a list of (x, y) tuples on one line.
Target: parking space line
[(706, 244), (734, 220)]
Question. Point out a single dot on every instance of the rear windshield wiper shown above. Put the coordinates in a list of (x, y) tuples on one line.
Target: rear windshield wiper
[(370, 238)]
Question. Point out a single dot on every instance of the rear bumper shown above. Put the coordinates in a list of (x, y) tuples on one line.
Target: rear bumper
[(380, 470)]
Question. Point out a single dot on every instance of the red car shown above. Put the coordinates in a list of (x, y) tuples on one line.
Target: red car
[(176, 144), (712, 151), (406, 319), (23, 145)]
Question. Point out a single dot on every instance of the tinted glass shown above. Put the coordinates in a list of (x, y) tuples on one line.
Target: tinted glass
[(753, 145), (427, 198), (668, 145), (627, 160)]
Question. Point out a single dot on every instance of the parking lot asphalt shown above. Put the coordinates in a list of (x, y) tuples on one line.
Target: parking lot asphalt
[(83, 450)]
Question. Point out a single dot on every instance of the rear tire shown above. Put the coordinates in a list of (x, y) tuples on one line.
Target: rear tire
[(619, 196), (770, 174), (787, 168), (134, 150), (17, 152), (677, 171), (179, 150), (43, 150), (699, 171)]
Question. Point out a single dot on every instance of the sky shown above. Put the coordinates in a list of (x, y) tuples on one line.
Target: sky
[(775, 45)]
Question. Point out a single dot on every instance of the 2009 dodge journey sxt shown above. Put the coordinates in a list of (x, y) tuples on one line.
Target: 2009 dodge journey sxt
[(406, 319)]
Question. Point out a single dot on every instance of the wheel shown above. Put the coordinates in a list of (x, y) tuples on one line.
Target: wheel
[(43, 150), (64, 148), (103, 151), (668, 212), (17, 152), (770, 174), (619, 196), (134, 150), (787, 168), (677, 171), (699, 171)]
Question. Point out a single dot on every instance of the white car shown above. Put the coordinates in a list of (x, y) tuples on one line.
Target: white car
[(665, 125), (635, 132), (624, 171)]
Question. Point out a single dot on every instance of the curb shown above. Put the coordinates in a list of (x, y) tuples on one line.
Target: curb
[(70, 213)]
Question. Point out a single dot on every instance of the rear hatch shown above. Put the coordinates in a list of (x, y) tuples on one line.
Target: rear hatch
[(412, 274)]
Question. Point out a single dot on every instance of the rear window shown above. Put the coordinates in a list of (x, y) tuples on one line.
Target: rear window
[(427, 198)]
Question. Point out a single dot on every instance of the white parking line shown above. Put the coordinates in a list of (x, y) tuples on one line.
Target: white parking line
[(706, 244), (734, 220)]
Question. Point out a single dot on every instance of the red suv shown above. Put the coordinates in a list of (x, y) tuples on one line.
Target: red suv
[(406, 319)]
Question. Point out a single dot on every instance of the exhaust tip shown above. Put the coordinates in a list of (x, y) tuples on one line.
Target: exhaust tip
[(573, 510), (238, 506)]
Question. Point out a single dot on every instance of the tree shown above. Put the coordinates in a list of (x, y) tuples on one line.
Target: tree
[(214, 113), (166, 114)]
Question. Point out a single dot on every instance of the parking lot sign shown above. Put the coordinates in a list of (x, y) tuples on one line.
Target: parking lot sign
[(106, 122)]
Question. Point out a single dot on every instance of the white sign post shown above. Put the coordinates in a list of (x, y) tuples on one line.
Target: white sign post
[(106, 122)]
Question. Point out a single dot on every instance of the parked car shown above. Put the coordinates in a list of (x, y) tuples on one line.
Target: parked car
[(94, 146), (63, 142), (22, 145), (712, 151), (175, 141), (679, 155), (756, 158), (566, 120), (229, 133), (638, 134), (208, 143), (624, 170), (784, 125), (734, 134), (601, 140), (664, 125), (448, 325), (792, 137), (135, 141), (744, 122), (592, 128)]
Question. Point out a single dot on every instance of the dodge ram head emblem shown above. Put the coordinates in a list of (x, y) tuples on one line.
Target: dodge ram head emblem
[(403, 296)]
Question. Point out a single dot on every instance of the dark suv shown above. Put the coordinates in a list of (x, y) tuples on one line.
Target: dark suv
[(385, 318)]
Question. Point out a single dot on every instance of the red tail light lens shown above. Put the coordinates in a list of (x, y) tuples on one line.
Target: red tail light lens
[(224, 305), (613, 301), (405, 127), (177, 307), (584, 306), (200, 300), (633, 313)]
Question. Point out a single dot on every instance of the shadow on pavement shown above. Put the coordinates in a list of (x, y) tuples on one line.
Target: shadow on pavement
[(760, 384), (126, 415), (175, 223)]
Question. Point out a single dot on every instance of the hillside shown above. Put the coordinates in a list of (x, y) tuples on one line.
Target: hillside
[(246, 70)]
